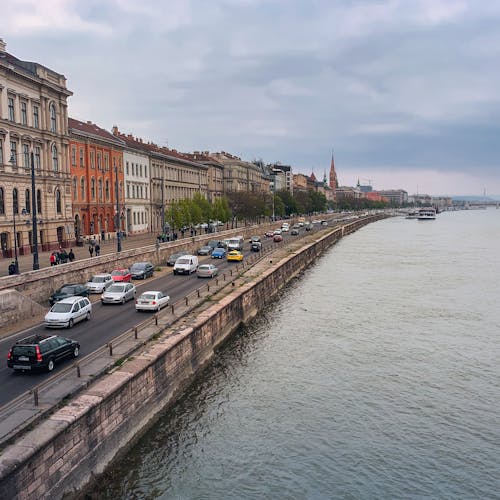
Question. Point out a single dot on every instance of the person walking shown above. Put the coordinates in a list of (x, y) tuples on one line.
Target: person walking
[(91, 250), (52, 259), (97, 250), (12, 268), (71, 255)]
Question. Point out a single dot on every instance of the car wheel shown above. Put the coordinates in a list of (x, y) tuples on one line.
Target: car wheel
[(88, 316), (76, 352), (70, 323), (123, 300), (50, 365)]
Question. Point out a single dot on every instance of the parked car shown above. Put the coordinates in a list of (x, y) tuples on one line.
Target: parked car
[(277, 238), (121, 275), (255, 246), (173, 258), (234, 255), (207, 271), (99, 282), (151, 300), (215, 244), (66, 312), (294, 232), (205, 250), (141, 270), (69, 290), (186, 264), (41, 352), (269, 234), (118, 293), (219, 253)]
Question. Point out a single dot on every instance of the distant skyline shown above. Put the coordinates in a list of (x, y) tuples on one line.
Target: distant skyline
[(405, 93)]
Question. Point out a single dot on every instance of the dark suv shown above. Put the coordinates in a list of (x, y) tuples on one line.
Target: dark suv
[(69, 290), (41, 352), (142, 270)]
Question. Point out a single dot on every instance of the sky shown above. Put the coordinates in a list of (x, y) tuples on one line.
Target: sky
[(404, 93)]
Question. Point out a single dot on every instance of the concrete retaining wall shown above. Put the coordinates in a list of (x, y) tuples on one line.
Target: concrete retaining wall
[(79, 440)]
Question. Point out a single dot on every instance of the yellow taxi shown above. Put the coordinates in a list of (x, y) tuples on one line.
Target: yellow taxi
[(235, 255)]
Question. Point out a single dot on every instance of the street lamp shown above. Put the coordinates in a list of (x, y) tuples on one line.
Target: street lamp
[(118, 232), (36, 264)]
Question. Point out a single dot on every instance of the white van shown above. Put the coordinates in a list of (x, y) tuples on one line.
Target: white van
[(285, 227), (186, 264), (235, 243)]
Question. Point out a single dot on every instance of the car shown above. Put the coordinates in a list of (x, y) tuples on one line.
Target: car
[(41, 352), (172, 259), (285, 227), (119, 293), (219, 253), (256, 246), (66, 312), (121, 275), (187, 264), (205, 250), (254, 238), (294, 232), (277, 238), (215, 244), (69, 290), (99, 282), (152, 300), (308, 226), (276, 231), (207, 271), (269, 234), (141, 270), (234, 256), (324, 223)]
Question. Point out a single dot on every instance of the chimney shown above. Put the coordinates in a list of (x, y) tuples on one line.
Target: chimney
[(3, 45), (89, 122), (115, 130)]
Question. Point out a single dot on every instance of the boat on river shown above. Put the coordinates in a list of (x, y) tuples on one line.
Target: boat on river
[(427, 213), (412, 214)]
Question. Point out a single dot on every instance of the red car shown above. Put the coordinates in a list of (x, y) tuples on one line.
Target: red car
[(277, 238), (121, 275), (269, 234)]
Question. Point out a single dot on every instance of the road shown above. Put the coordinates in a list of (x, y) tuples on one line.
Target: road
[(107, 322)]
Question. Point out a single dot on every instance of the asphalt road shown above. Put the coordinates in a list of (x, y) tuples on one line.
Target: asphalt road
[(107, 322)]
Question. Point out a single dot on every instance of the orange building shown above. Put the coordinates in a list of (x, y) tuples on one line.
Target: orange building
[(97, 179)]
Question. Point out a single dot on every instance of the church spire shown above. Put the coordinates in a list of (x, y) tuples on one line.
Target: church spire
[(333, 175)]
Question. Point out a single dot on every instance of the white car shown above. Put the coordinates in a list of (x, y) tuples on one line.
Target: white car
[(67, 312), (277, 231), (99, 282), (119, 293), (152, 300)]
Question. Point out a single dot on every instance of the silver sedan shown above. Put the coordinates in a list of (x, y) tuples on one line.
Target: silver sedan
[(207, 271), (119, 293), (151, 301)]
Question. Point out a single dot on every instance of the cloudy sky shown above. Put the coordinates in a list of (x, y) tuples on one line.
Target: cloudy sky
[(405, 92)]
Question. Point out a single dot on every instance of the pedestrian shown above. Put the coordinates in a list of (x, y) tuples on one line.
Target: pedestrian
[(71, 255), (91, 250), (63, 257), (97, 250), (52, 259), (12, 268)]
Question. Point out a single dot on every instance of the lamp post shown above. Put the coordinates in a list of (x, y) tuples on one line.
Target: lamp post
[(118, 232)]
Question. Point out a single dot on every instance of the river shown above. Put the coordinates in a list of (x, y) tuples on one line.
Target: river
[(375, 375)]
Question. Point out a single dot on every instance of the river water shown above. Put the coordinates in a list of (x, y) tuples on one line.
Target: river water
[(375, 375)]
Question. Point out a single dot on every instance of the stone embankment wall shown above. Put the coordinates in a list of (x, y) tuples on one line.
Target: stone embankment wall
[(79, 440)]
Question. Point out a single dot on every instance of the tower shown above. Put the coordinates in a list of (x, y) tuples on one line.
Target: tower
[(333, 175)]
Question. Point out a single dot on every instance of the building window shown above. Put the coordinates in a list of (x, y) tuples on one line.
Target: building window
[(1, 151), (126, 166), (92, 159), (106, 161), (99, 160), (73, 156), (128, 190), (58, 201), (82, 189), (13, 152), (38, 163), (75, 189), (92, 188), (39, 201), (107, 190), (26, 155), (27, 201), (36, 119), (99, 185), (55, 161), (2, 202), (82, 161), (24, 113), (15, 201), (12, 115), (52, 112)]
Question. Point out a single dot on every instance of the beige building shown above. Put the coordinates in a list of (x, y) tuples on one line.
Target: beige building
[(215, 173), (33, 126), (241, 175)]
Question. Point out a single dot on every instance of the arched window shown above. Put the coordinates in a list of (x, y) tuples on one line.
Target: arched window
[(107, 190), (92, 188), (82, 188), (75, 189), (39, 201), (55, 160), (99, 185), (58, 201), (15, 201), (53, 123), (27, 201), (2, 202)]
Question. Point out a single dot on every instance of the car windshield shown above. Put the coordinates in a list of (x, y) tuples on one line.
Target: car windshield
[(118, 273), (138, 267), (98, 279), (116, 288), (61, 307), (183, 261), (148, 296), (204, 267), (67, 289)]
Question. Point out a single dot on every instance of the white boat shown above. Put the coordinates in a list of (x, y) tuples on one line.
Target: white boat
[(428, 213), (412, 214)]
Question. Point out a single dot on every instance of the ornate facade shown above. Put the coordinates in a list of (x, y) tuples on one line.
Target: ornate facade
[(33, 132)]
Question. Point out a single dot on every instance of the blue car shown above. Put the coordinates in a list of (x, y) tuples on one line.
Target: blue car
[(219, 253)]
